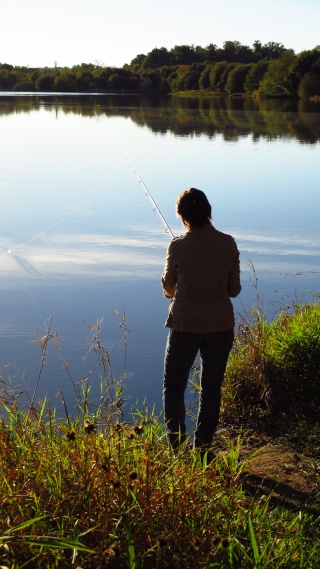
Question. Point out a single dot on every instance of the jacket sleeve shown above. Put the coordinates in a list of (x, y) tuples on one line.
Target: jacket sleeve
[(169, 277), (234, 286)]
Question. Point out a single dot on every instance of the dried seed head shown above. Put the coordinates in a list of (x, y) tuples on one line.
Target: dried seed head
[(89, 427), (133, 476), (138, 429), (113, 550), (71, 435)]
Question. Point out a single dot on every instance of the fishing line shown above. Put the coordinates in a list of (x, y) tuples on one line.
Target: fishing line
[(22, 264), (56, 223), (25, 283), (149, 195)]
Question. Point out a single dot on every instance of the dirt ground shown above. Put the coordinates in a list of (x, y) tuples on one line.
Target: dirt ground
[(290, 476)]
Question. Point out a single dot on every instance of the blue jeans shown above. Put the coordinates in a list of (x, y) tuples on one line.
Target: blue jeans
[(181, 351)]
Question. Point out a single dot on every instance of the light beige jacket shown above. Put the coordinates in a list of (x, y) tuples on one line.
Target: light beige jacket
[(202, 272)]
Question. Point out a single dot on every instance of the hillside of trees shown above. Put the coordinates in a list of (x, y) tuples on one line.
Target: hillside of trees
[(268, 70)]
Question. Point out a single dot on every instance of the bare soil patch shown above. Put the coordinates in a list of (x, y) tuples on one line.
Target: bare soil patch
[(289, 476)]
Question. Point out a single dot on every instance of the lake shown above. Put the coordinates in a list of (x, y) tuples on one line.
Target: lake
[(80, 239)]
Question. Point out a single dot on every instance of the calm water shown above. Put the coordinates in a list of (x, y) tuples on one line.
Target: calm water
[(79, 238)]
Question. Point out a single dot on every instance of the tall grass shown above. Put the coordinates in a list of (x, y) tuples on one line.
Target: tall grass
[(93, 491), (275, 366)]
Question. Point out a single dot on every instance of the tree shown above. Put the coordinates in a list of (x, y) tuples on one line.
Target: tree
[(65, 80), (236, 78), (122, 79), (7, 79), (156, 58), (310, 82), (300, 66), (211, 51), (257, 49), (272, 50), (188, 81), (221, 85), (200, 54), (101, 77), (84, 79), (234, 51), (6, 66), (215, 74), (183, 55), (275, 82), (204, 81), (45, 82), (255, 76)]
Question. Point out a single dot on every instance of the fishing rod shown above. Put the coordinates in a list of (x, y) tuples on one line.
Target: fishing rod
[(148, 194)]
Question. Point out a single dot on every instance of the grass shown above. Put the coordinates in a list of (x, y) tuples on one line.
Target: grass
[(275, 366), (91, 490)]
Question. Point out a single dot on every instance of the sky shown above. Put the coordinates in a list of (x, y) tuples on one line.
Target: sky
[(39, 33)]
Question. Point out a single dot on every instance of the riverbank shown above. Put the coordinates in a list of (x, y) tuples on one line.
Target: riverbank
[(91, 490)]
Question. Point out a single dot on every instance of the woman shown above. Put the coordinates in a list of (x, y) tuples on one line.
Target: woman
[(201, 273)]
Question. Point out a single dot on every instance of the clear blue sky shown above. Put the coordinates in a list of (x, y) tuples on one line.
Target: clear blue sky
[(41, 32)]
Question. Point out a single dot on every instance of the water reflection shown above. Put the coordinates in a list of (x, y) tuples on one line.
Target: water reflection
[(120, 256), (230, 116)]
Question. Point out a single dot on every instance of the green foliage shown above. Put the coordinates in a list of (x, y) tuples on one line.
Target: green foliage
[(45, 82), (235, 51), (216, 73), (301, 65), (236, 78), (65, 80), (310, 83), (223, 79), (255, 76), (276, 81), (292, 366), (7, 79), (188, 81), (183, 55), (276, 366), (204, 80), (156, 58)]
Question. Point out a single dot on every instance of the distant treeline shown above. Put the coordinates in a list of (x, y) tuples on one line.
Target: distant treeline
[(268, 70)]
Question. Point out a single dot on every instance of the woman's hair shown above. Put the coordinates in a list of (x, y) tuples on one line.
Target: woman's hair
[(193, 208)]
